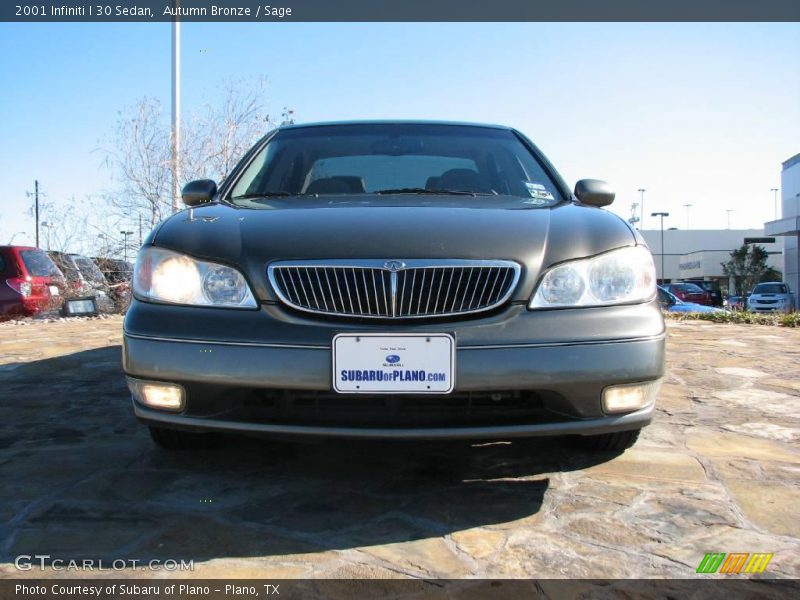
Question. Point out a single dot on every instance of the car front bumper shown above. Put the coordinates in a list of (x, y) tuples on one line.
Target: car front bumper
[(518, 372), (781, 308)]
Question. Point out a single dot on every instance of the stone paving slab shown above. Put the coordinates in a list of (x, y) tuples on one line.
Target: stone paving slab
[(718, 471)]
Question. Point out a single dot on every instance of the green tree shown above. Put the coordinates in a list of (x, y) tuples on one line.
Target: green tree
[(748, 266)]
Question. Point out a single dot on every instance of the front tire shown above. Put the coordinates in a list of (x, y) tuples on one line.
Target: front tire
[(617, 441), (175, 440)]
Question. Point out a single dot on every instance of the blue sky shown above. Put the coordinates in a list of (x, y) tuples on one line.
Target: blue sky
[(698, 114)]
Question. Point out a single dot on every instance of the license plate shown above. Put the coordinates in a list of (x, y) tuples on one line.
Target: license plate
[(54, 290), (80, 307), (394, 364)]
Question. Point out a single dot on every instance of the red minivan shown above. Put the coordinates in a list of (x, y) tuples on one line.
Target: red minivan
[(30, 283)]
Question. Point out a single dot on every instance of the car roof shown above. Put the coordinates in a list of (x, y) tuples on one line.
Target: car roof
[(396, 122), (20, 247)]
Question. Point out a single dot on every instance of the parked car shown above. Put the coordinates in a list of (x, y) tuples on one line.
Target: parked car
[(712, 287), (773, 296), (689, 292), (394, 280), (735, 302), (85, 283), (30, 283), (118, 277), (671, 303)]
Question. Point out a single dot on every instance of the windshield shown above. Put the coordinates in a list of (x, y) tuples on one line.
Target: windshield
[(771, 288), (667, 299), (38, 264), (413, 159), (90, 271), (67, 266)]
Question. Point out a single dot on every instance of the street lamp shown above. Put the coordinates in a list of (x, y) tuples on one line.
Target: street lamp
[(125, 235), (775, 195), (729, 211), (47, 227), (687, 207), (641, 225), (176, 111), (662, 215)]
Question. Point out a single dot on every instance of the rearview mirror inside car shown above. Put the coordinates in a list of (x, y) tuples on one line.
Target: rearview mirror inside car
[(594, 192), (198, 192)]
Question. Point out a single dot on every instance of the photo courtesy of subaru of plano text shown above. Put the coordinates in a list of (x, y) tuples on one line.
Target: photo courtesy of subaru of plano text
[(404, 280)]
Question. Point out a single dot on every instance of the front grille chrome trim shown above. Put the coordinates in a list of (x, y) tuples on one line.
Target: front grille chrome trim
[(394, 289)]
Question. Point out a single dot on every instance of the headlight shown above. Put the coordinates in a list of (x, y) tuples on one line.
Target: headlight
[(166, 276), (618, 277)]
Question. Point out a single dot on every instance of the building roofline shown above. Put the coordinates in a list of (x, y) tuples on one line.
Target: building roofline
[(792, 161)]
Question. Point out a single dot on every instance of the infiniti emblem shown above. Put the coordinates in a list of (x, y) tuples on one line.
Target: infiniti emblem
[(394, 265)]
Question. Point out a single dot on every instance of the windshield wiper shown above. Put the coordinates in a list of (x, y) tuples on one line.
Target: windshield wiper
[(264, 195), (435, 192)]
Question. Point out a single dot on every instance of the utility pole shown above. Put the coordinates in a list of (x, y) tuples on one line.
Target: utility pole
[(176, 111), (140, 230), (36, 197), (662, 215), (775, 195), (687, 206), (641, 204), (729, 211)]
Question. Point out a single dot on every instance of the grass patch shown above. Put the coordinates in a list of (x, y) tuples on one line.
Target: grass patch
[(740, 317)]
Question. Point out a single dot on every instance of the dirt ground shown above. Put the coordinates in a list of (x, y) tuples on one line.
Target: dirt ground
[(717, 471)]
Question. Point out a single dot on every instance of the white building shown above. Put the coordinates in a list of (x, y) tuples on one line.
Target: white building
[(699, 253), (788, 226)]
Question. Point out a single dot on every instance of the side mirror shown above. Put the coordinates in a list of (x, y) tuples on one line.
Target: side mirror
[(198, 192), (594, 192)]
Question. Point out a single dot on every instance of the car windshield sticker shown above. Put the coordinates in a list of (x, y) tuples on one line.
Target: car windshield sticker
[(538, 192)]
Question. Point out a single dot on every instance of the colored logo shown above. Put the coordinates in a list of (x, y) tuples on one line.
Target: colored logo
[(392, 359), (394, 265), (734, 563)]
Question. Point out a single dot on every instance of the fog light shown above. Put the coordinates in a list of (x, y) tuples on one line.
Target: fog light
[(164, 396), (630, 397)]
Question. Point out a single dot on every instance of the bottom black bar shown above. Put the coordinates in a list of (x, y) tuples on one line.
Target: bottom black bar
[(241, 589)]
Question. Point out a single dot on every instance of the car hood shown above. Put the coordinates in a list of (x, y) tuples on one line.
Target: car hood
[(393, 228)]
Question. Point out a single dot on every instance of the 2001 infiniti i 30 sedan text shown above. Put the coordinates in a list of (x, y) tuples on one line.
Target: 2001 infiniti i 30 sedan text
[(395, 280)]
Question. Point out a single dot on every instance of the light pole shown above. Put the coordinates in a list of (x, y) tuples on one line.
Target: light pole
[(662, 215), (634, 219), (775, 196), (687, 207), (176, 111), (47, 226), (729, 211), (641, 205), (125, 235)]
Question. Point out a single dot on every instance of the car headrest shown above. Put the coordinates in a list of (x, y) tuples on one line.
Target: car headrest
[(342, 184), (462, 179)]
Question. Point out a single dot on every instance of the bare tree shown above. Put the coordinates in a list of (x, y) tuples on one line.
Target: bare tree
[(139, 161), (217, 136), (214, 138), (61, 224)]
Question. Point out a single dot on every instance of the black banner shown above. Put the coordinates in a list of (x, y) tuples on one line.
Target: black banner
[(397, 10), (234, 589)]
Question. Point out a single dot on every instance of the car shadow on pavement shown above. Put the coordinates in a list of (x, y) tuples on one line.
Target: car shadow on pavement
[(81, 479)]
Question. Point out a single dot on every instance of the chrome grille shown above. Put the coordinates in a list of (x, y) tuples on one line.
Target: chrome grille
[(394, 289)]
